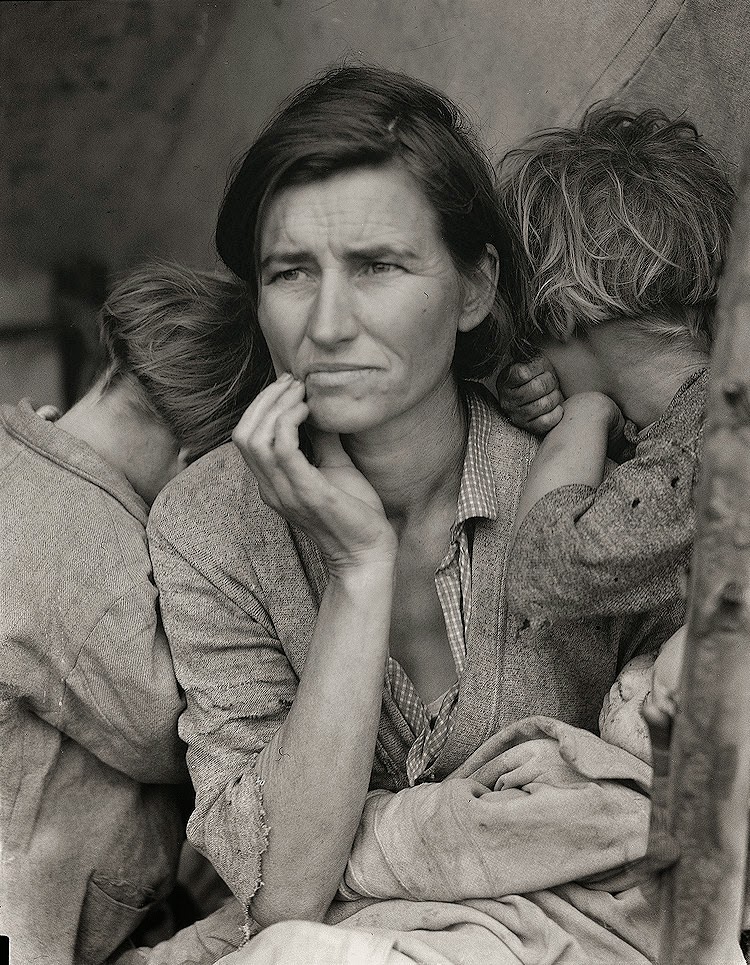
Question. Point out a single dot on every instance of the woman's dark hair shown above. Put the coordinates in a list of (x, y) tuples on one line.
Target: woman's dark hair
[(365, 116)]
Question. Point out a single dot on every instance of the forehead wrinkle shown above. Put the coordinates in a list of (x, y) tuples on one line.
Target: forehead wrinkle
[(331, 213)]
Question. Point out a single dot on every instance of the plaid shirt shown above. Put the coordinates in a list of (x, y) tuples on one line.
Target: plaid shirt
[(432, 724)]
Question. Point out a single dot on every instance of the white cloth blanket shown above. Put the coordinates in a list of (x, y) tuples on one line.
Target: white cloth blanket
[(527, 855)]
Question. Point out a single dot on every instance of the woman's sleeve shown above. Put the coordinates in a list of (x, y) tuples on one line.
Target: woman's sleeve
[(616, 550), (238, 686)]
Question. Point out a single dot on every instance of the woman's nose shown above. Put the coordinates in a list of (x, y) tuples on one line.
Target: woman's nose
[(332, 317)]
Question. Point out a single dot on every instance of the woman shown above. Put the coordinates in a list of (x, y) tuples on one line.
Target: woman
[(338, 623), (88, 698)]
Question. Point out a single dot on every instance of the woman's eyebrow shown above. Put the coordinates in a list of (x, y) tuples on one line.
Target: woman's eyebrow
[(285, 256), (365, 252), (381, 252)]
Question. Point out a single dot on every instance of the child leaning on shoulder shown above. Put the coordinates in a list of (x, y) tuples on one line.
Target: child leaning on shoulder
[(92, 768), (624, 222)]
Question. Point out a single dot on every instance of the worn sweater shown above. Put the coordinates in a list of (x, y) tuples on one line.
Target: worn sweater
[(240, 592), (621, 549), (90, 824)]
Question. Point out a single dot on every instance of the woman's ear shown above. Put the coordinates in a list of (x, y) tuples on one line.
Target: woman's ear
[(184, 458), (480, 289)]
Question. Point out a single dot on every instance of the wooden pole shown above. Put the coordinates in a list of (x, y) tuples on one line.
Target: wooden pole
[(709, 774)]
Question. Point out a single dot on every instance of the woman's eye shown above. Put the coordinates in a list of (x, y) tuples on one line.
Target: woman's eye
[(382, 267), (289, 274)]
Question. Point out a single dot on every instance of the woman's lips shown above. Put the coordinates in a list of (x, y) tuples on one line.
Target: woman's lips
[(334, 378)]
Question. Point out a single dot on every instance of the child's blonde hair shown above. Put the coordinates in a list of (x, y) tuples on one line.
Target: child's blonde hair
[(189, 344), (626, 215)]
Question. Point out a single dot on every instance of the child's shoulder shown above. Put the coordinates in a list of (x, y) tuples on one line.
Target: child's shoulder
[(682, 420)]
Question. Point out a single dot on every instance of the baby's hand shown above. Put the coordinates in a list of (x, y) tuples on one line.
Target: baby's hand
[(50, 413), (639, 709), (659, 712), (529, 395)]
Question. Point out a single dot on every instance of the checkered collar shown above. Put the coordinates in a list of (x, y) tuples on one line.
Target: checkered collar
[(477, 496)]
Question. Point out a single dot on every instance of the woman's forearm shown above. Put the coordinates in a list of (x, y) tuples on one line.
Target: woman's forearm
[(316, 769), (543, 811)]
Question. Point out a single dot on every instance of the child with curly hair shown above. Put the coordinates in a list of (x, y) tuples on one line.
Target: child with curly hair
[(624, 223)]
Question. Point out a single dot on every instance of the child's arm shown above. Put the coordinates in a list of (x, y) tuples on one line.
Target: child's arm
[(574, 452), (619, 548)]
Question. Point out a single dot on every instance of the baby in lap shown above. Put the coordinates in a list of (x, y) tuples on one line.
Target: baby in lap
[(649, 681)]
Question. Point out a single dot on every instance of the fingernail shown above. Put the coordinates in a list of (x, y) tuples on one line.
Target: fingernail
[(286, 377)]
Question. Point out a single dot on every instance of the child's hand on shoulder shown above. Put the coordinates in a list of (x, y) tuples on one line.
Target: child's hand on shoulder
[(530, 396)]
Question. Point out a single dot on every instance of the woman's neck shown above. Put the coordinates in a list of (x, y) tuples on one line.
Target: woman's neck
[(415, 462)]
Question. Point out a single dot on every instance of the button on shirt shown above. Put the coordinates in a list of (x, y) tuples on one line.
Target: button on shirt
[(431, 724)]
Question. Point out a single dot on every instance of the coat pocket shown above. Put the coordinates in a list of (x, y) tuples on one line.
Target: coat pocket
[(104, 925)]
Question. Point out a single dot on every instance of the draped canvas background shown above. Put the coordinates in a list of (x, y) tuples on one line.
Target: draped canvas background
[(119, 119)]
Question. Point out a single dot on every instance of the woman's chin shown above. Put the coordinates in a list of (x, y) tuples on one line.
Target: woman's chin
[(336, 422), (344, 417)]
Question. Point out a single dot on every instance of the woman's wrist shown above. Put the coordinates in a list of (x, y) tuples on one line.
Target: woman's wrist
[(374, 569)]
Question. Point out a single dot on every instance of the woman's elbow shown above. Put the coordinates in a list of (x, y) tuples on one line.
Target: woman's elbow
[(270, 906)]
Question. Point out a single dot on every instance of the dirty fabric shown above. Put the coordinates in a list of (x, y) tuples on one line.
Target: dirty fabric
[(91, 765), (529, 853), (201, 943)]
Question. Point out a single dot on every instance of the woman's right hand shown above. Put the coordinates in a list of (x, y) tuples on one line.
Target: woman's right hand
[(316, 767), (332, 502)]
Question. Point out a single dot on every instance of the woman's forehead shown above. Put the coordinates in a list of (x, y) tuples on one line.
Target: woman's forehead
[(362, 206)]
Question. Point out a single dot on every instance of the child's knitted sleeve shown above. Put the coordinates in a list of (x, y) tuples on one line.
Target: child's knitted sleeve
[(624, 547)]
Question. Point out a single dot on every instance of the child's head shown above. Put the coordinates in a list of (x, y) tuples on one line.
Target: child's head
[(625, 216), (620, 720), (188, 348)]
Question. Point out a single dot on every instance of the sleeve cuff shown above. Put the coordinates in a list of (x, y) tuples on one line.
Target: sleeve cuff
[(235, 836)]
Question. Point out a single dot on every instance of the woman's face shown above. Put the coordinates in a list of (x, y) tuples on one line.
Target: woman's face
[(359, 296)]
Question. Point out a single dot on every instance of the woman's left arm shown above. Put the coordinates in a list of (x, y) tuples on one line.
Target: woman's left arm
[(281, 765), (315, 767), (470, 837)]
